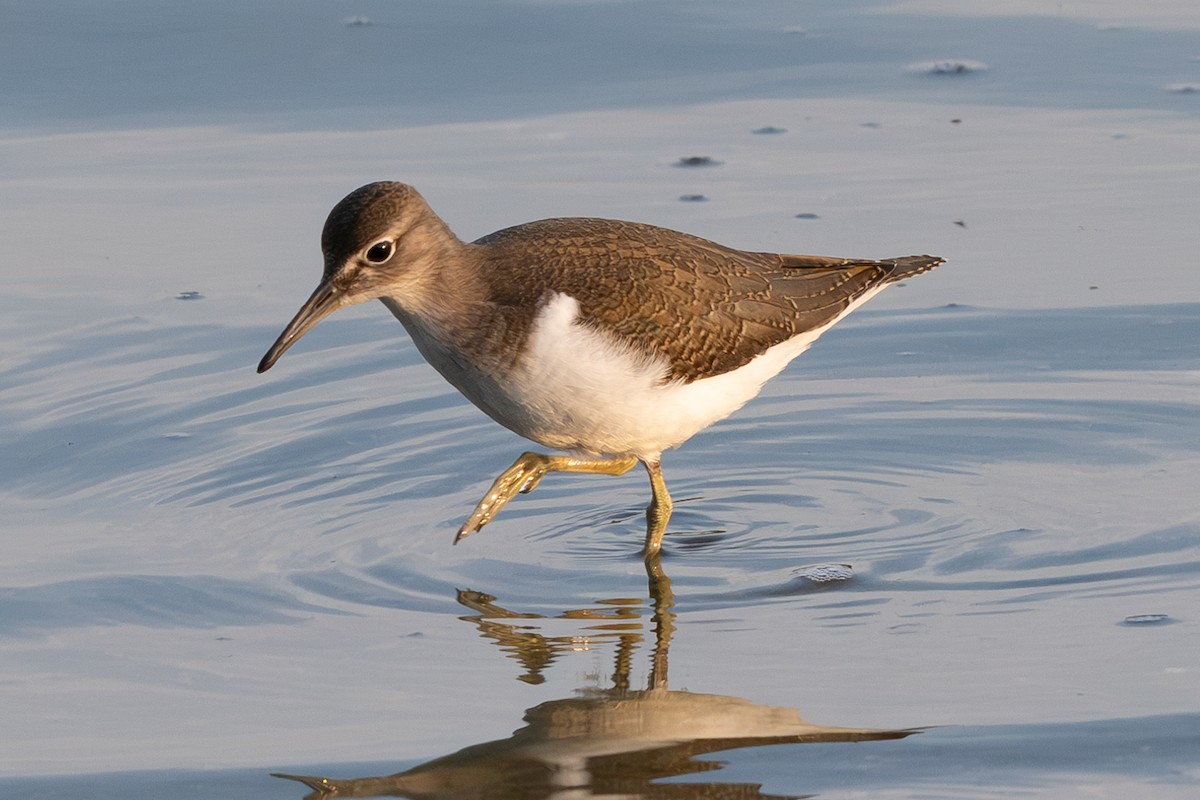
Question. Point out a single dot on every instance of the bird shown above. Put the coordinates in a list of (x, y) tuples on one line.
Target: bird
[(611, 341)]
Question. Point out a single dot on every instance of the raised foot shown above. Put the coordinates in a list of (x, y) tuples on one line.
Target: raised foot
[(521, 478), (524, 476)]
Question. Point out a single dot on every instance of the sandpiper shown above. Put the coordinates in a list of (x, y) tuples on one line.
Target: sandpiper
[(613, 341)]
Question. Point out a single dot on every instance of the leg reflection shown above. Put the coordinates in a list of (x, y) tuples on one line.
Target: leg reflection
[(663, 599), (521, 636)]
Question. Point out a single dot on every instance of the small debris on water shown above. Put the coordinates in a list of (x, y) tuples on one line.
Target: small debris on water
[(960, 223), (768, 130), (1146, 619), (189, 296), (697, 161), (693, 198), (872, 125), (1182, 88), (807, 215), (948, 66), (826, 573), (357, 22)]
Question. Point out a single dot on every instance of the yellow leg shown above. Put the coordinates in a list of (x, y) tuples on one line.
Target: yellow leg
[(658, 513), (527, 472)]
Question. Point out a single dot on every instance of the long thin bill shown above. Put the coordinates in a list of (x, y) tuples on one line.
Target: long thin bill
[(323, 302)]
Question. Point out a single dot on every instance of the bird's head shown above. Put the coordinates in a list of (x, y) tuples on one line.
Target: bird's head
[(382, 239)]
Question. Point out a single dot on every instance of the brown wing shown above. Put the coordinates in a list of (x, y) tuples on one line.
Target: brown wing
[(707, 308)]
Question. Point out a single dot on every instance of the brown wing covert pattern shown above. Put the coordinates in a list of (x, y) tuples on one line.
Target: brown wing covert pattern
[(706, 308)]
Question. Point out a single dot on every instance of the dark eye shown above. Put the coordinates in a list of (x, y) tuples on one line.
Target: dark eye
[(379, 252)]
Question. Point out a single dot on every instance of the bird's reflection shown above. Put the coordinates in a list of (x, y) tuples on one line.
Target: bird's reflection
[(617, 741)]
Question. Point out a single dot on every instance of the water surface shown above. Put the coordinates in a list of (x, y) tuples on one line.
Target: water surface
[(954, 550)]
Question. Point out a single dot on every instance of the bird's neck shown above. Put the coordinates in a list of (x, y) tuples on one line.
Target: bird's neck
[(441, 278), (446, 304)]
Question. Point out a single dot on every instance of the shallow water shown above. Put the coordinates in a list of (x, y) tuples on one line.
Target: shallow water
[(963, 526), (998, 519)]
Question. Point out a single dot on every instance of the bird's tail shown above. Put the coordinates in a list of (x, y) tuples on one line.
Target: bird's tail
[(887, 270), (908, 266)]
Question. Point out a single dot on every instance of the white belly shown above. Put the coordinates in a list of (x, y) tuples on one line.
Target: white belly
[(577, 389)]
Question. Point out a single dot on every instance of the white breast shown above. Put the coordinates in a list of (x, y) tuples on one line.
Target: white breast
[(574, 388)]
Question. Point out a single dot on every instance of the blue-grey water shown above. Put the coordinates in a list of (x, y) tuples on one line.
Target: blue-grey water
[(952, 551)]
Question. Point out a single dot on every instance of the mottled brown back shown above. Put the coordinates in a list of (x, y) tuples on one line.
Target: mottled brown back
[(707, 308)]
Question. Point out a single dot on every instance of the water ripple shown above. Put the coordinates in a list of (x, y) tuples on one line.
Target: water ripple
[(880, 452)]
